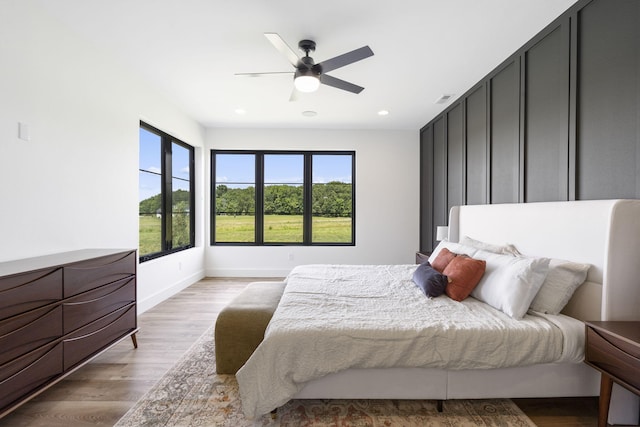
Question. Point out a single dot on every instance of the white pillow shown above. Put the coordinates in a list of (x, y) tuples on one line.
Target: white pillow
[(506, 249), (510, 283), (562, 281), (453, 247)]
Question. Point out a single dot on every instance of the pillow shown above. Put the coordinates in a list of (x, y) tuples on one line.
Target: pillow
[(463, 273), (443, 259), (562, 281), (510, 283), (452, 247), (490, 247), (429, 280)]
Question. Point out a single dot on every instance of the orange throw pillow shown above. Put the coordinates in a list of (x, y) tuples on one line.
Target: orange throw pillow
[(443, 259), (464, 273)]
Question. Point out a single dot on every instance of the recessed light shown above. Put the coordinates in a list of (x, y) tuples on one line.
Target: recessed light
[(383, 112), (241, 111), (309, 113)]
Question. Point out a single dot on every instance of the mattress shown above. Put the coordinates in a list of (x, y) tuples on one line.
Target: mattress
[(336, 317)]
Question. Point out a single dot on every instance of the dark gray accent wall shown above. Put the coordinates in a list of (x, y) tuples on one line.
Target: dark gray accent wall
[(440, 213), (455, 160), (426, 184), (557, 120), (504, 125), (547, 117), (608, 103), (476, 148)]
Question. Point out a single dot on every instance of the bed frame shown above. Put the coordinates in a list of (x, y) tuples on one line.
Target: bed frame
[(603, 233)]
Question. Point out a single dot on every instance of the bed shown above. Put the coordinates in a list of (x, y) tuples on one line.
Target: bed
[(604, 234)]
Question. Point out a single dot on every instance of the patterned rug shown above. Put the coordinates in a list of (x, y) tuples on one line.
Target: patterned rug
[(192, 394)]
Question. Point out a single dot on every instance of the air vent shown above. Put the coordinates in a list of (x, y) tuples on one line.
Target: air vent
[(444, 99)]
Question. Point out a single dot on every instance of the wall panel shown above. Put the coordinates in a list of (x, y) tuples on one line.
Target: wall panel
[(505, 133), (426, 188), (547, 117), (476, 147), (455, 157), (440, 213), (608, 103)]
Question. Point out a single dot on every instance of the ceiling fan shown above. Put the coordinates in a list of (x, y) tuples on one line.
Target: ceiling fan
[(308, 75)]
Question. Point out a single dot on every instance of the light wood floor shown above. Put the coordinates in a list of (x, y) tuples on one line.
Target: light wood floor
[(99, 393)]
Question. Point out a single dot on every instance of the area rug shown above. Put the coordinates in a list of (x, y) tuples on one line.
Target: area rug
[(192, 394)]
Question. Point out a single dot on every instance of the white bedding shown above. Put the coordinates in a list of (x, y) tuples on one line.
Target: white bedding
[(335, 317)]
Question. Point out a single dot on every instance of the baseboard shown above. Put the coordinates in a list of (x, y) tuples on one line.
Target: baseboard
[(246, 272), (157, 298)]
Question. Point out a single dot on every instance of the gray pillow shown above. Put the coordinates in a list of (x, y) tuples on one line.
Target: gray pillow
[(429, 280)]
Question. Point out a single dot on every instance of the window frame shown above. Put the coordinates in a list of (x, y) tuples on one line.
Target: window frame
[(259, 197), (166, 191)]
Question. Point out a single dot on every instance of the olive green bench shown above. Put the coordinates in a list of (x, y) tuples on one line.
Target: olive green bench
[(241, 324)]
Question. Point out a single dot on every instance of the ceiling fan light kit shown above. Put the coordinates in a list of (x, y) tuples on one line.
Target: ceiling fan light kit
[(306, 82), (308, 75)]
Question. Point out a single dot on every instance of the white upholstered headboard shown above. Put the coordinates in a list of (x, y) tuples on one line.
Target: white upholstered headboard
[(603, 233)]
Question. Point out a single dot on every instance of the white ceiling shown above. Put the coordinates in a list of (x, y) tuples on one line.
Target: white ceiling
[(190, 50)]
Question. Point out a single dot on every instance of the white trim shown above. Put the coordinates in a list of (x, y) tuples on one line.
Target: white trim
[(158, 297), (246, 272)]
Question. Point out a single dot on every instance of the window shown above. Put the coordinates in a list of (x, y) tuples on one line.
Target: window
[(282, 197), (166, 191)]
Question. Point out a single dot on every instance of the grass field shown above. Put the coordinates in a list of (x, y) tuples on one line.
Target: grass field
[(150, 237), (282, 229), (277, 229)]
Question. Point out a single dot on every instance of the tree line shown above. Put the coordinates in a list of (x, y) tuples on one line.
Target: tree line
[(180, 220), (153, 204), (333, 199)]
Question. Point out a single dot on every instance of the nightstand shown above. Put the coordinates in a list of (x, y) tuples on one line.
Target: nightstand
[(613, 348), (422, 257)]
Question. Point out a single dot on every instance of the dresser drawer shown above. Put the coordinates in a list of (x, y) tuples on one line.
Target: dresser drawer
[(89, 306), (21, 334), (615, 357), (21, 376), (97, 335), (86, 275), (23, 292)]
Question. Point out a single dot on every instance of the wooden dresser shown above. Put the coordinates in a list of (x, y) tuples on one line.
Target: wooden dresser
[(59, 311), (613, 348)]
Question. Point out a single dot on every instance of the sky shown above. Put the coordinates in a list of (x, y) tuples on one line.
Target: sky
[(282, 168), (150, 161), (235, 168)]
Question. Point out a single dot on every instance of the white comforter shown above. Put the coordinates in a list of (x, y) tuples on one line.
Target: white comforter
[(335, 317)]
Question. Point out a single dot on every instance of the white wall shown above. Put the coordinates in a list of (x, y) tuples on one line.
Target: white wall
[(387, 200), (74, 185)]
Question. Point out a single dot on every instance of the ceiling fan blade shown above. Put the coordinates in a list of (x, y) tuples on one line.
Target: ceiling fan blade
[(340, 84), (283, 48), (269, 73), (346, 59), (295, 95)]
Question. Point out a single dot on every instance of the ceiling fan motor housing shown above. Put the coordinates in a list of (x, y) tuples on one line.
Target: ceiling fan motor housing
[(307, 66), (306, 72)]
